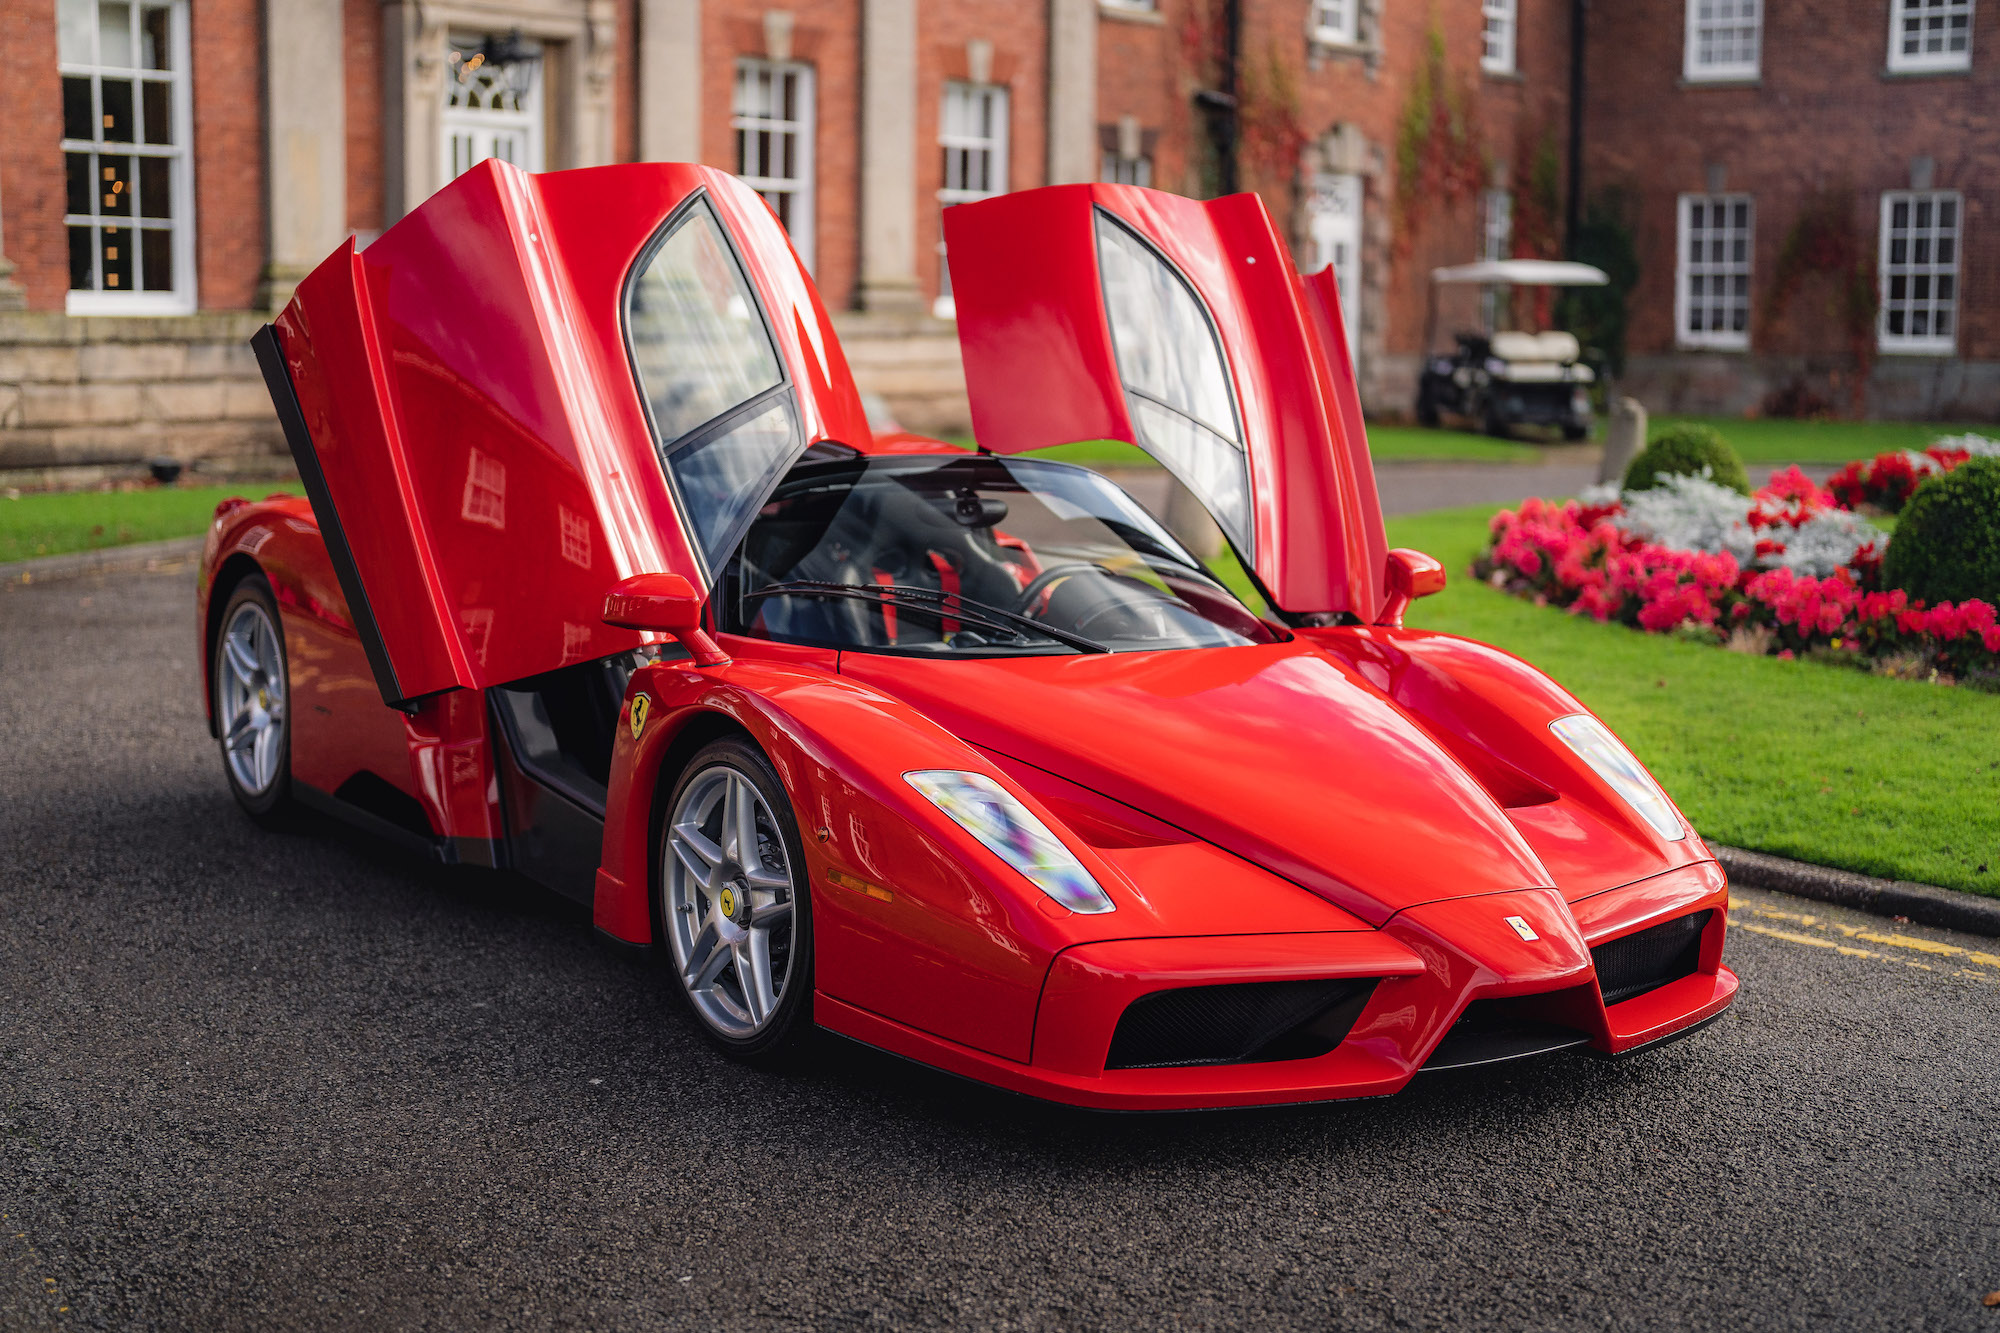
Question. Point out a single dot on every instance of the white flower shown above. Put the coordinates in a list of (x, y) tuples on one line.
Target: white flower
[(1691, 514), (1598, 496), (1976, 445), (1827, 541)]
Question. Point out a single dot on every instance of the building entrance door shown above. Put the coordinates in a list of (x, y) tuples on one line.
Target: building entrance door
[(490, 110), (1335, 230)]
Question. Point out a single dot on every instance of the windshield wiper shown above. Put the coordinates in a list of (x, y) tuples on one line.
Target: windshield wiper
[(952, 605)]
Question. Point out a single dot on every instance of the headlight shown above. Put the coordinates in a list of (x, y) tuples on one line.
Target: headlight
[(983, 808), (1608, 757)]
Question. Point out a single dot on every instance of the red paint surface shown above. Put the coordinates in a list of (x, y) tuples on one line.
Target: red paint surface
[(1031, 313), (1355, 802)]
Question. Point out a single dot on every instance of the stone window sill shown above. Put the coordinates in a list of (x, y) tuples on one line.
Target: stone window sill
[(1733, 81), (1151, 18), (1893, 75)]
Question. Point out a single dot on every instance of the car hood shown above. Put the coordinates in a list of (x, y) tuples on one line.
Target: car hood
[(1275, 752)]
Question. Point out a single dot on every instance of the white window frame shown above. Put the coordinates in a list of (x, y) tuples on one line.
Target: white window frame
[(1496, 241), (1500, 26), (1709, 267), (1336, 207), (1129, 6), (953, 137), (746, 120), (1336, 22), (1902, 11), (1115, 170), (1735, 71), (181, 300), (1931, 268)]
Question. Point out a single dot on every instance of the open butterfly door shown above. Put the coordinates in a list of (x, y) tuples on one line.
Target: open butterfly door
[(1110, 312), (534, 386)]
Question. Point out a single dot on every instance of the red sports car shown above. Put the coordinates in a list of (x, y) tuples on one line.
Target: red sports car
[(605, 580)]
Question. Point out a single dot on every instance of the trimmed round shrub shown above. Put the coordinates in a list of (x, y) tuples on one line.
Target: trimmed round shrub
[(1946, 547), (1683, 450)]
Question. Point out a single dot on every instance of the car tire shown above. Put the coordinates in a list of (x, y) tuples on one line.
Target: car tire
[(1427, 409), (249, 687), (738, 936), (1497, 426), (1575, 434)]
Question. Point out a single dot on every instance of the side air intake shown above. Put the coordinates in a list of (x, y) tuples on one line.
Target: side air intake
[(1634, 964), (1249, 1023)]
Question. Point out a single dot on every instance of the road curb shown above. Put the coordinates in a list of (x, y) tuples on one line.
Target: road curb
[(1924, 904), (104, 560)]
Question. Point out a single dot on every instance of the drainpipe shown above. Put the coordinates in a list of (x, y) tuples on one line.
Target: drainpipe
[(1220, 103), (1579, 11)]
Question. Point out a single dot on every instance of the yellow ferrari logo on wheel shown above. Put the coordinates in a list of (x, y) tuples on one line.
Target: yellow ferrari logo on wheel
[(640, 706), (727, 902)]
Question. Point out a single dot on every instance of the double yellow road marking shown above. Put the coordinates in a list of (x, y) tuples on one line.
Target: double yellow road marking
[(1847, 940)]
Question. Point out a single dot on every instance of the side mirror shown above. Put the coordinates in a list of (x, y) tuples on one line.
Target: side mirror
[(1411, 574), (663, 604)]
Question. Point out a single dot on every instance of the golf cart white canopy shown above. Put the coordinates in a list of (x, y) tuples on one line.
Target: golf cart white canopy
[(1523, 273)]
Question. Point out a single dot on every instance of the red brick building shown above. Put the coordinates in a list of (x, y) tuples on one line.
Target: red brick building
[(174, 166), (1812, 193)]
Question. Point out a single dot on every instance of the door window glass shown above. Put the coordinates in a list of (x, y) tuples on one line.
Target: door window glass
[(707, 370), (725, 475), (1175, 377), (697, 337)]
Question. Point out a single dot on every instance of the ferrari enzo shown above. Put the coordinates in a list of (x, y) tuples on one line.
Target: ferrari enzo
[(603, 579)]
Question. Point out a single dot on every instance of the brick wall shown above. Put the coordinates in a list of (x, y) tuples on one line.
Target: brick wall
[(361, 67), (1141, 73), (31, 160), (826, 34), (1823, 115), (1020, 39), (230, 224)]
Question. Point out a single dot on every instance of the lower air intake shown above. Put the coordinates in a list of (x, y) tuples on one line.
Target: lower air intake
[(1634, 964), (1241, 1024)]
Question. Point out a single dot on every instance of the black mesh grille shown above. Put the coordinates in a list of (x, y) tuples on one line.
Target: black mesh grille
[(1650, 959), (1242, 1024)]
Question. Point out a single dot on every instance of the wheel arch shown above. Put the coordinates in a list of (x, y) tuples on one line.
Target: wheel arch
[(237, 567), (694, 732)]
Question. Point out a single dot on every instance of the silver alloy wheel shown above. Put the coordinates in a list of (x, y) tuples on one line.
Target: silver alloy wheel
[(729, 901), (250, 698)]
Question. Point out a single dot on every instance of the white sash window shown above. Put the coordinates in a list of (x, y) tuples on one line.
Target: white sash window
[(1712, 297), (129, 207), (773, 119), (1919, 267)]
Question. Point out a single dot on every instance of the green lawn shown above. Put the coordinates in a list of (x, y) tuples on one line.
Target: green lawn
[(1777, 441), (55, 524), (1821, 763), (1760, 442)]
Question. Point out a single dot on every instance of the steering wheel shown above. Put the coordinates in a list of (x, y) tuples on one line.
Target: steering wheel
[(1043, 581)]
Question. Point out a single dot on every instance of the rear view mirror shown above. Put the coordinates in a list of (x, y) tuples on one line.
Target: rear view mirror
[(663, 604), (1411, 574)]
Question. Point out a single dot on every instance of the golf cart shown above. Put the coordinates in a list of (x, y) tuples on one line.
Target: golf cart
[(1506, 379)]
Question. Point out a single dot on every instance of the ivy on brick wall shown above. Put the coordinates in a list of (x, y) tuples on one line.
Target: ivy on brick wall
[(1825, 241), (1439, 156), (1606, 238)]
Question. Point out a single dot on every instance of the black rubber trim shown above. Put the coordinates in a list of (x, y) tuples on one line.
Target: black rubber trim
[(285, 399)]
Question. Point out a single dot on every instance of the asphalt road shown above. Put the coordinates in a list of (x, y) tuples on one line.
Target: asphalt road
[(252, 1080)]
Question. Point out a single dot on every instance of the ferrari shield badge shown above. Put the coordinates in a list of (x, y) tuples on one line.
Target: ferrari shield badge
[(641, 705), (1521, 927)]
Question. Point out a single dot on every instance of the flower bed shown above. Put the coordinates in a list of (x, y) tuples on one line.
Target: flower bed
[(1789, 570), (1886, 481)]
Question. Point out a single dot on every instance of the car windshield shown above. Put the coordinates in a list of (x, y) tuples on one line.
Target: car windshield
[(971, 556)]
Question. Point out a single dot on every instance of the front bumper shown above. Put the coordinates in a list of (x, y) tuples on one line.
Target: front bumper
[(1430, 965)]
